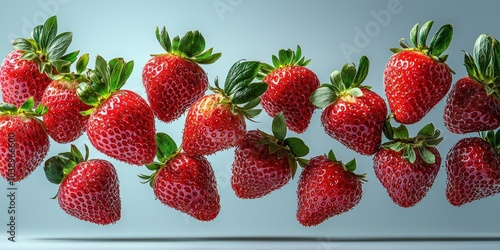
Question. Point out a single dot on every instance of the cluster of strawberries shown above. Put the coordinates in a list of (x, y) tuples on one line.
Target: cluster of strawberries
[(37, 81)]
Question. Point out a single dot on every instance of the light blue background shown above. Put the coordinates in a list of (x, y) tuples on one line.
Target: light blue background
[(254, 30)]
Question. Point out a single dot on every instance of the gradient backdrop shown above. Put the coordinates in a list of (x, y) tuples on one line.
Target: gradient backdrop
[(331, 33)]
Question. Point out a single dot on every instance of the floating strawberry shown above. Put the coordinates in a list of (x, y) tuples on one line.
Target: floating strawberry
[(121, 123), (64, 121), (407, 167), (88, 189), (25, 71), (24, 143), (473, 169), (174, 81), (327, 187), (217, 121), (473, 104), (353, 114), (416, 79), (290, 86), (264, 163), (183, 182)]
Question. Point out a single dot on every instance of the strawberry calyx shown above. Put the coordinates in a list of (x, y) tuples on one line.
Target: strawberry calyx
[(484, 64), (81, 71), (103, 81), (285, 58), (240, 91), (493, 138), (349, 166), (293, 148), (439, 42), (25, 109), (191, 46), (57, 167), (166, 151), (47, 48), (344, 84), (400, 140)]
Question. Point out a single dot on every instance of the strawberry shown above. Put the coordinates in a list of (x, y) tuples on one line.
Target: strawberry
[(25, 71), (88, 189), (407, 167), (353, 114), (183, 182), (63, 121), (416, 79), (264, 163), (473, 169), (121, 124), (290, 86), (217, 121), (327, 188), (24, 143), (473, 104), (174, 81)]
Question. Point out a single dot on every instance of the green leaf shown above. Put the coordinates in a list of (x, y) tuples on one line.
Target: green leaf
[(323, 97), (175, 43), (6, 108), (424, 33), (153, 167), (356, 92), (250, 92), (292, 163), (471, 67), (414, 35), (87, 94), (81, 64), (347, 75), (252, 104), (116, 75), (192, 43), (401, 132), (240, 75), (441, 40), (482, 54), (49, 31), (351, 165), (427, 155), (36, 33), (279, 126), (427, 130), (297, 146), (28, 105), (166, 147), (70, 57), (41, 110), (331, 156), (59, 45), (397, 146), (362, 72), (163, 39), (273, 148), (409, 154), (251, 113), (22, 44), (53, 169), (77, 155)]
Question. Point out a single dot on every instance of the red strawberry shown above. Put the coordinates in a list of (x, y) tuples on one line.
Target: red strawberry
[(473, 104), (121, 124), (174, 81), (264, 163), (353, 114), (327, 188), (64, 121), (416, 79), (24, 143), (216, 122), (25, 71), (290, 86), (183, 182), (407, 167), (473, 169), (89, 189)]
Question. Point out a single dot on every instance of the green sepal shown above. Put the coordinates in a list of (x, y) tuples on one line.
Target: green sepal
[(323, 97), (297, 146), (29, 104), (7, 108), (423, 34), (240, 75), (81, 64), (279, 126), (441, 40), (166, 147), (250, 92), (285, 58), (493, 138), (350, 166), (57, 167)]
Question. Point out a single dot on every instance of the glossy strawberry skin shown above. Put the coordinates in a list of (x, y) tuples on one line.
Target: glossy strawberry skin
[(256, 172), (470, 109), (91, 192), (21, 79), (63, 120), (473, 171), (356, 122), (24, 143), (211, 127), (289, 89), (406, 183), (414, 84), (326, 189), (187, 183), (172, 85), (123, 127)]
